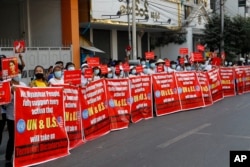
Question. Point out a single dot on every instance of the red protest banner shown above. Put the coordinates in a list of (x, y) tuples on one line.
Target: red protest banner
[(149, 55), (93, 61), (166, 93), (9, 67), (216, 61), (88, 73), (247, 79), (200, 48), (5, 92), (215, 85), (119, 101), (189, 90), (40, 134), (197, 57), (72, 77), (139, 69), (73, 121), (95, 114), (104, 69), (206, 93), (183, 51), (240, 75), (227, 81), (125, 67), (19, 46), (141, 94), (181, 60)]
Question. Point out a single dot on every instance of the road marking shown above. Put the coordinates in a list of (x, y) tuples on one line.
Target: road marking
[(182, 136), (224, 135)]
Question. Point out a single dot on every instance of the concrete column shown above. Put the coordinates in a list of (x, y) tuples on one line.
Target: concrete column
[(114, 47), (189, 37), (70, 28), (139, 49)]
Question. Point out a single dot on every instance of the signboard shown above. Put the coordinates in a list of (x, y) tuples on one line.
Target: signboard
[(72, 77), (141, 96), (19, 46), (149, 55), (40, 133), (183, 51), (189, 90), (149, 12), (118, 96), (165, 93), (200, 48), (93, 61), (94, 110), (5, 92), (9, 67)]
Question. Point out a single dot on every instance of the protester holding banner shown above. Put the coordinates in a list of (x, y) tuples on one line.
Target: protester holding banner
[(2, 121), (152, 66), (132, 72), (51, 75), (21, 60), (58, 78), (109, 74), (39, 80), (96, 73), (70, 66), (10, 116), (84, 81)]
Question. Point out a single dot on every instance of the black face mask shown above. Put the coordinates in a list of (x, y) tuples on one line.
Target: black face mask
[(39, 75)]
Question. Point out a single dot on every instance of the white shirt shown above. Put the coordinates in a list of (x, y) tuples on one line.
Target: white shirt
[(54, 81)]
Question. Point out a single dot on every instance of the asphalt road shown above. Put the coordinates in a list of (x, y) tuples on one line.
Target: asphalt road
[(195, 138)]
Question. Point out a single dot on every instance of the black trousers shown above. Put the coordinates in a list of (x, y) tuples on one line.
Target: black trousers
[(2, 125), (10, 144)]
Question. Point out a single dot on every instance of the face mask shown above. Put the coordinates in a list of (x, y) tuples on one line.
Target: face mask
[(178, 68), (39, 75), (96, 71), (145, 71), (83, 70), (17, 79), (202, 66), (110, 75), (58, 74), (173, 66), (188, 68), (152, 65), (19, 76), (133, 71), (143, 63), (71, 68), (121, 73)]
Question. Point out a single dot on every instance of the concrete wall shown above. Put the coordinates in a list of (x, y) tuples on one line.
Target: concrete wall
[(36, 21), (45, 22), (10, 22)]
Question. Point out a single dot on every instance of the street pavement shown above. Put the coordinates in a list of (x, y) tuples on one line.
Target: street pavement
[(195, 138)]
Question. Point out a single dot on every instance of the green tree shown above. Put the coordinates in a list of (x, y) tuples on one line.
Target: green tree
[(236, 35)]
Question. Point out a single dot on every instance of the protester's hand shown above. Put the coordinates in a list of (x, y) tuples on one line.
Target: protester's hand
[(20, 56)]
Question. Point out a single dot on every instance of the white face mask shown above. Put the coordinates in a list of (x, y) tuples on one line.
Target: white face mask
[(71, 68)]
